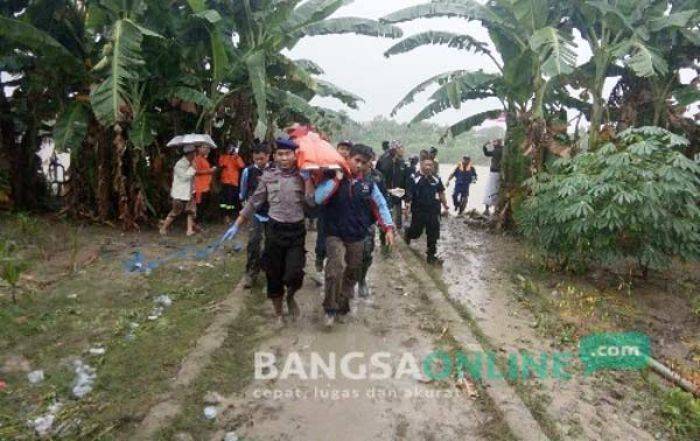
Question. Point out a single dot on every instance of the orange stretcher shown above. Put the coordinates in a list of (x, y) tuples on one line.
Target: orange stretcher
[(314, 152)]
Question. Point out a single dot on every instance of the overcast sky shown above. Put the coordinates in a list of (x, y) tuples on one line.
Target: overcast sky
[(357, 63)]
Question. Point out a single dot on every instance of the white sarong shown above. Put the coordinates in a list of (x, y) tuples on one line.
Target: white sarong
[(493, 186)]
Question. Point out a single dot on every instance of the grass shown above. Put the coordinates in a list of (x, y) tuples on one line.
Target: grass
[(80, 307), (576, 309), (228, 373)]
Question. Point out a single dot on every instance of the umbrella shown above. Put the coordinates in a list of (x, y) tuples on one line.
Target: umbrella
[(191, 139)]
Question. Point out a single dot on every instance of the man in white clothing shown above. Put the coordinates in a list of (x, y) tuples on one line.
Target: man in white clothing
[(181, 191)]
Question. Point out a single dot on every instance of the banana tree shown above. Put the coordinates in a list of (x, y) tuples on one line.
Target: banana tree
[(114, 70), (631, 32), (280, 85), (530, 50)]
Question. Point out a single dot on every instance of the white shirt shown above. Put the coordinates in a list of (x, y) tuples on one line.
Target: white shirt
[(183, 177)]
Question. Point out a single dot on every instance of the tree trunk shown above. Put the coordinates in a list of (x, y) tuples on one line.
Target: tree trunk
[(243, 122), (598, 103), (514, 168), (7, 139), (27, 185), (120, 183), (104, 172)]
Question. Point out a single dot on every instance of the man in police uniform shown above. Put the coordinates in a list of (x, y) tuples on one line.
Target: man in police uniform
[(425, 195), (284, 256)]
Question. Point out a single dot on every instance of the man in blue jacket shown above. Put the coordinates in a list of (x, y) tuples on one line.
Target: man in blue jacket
[(249, 183), (464, 175), (352, 205)]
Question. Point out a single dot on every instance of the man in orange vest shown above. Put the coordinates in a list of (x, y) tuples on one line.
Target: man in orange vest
[(231, 165)]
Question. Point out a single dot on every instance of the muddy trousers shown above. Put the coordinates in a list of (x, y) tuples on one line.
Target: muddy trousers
[(367, 253), (460, 197), (430, 222), (284, 257), (342, 272), (320, 240), (255, 236)]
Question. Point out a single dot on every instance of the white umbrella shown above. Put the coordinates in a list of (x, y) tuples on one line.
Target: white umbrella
[(192, 139)]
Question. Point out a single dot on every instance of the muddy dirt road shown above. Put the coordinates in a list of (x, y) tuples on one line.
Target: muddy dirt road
[(415, 311)]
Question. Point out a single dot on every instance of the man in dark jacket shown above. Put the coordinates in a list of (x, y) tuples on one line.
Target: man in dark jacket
[(352, 205), (249, 183), (426, 194), (396, 176)]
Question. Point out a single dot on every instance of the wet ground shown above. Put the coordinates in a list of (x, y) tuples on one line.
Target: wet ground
[(488, 297), (478, 279)]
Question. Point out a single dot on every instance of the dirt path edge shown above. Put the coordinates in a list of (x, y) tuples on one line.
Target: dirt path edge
[(516, 414)]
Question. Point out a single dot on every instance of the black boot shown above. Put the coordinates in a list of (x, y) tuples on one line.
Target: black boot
[(434, 260)]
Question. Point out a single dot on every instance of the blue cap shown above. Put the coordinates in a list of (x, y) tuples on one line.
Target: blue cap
[(286, 144)]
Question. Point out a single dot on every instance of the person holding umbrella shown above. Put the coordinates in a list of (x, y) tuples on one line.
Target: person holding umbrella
[(181, 191)]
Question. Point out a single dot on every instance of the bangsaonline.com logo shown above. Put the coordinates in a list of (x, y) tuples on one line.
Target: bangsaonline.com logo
[(600, 351)]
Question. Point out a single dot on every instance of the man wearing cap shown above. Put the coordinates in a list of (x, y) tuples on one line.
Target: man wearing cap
[(284, 256), (182, 190), (425, 195)]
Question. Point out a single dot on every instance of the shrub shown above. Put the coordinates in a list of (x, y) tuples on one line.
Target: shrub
[(682, 414), (637, 199)]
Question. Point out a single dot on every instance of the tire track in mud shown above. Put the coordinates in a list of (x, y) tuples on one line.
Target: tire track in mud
[(474, 278), (505, 399)]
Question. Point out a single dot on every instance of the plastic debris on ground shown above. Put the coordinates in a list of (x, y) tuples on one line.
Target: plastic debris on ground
[(84, 380), (231, 436), (35, 377), (42, 425), (210, 412), (467, 386), (97, 350), (131, 335), (3, 385), (164, 300)]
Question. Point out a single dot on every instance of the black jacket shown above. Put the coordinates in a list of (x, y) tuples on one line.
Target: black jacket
[(396, 174), (496, 156)]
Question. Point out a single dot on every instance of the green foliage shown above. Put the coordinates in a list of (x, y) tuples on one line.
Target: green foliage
[(11, 266), (71, 127), (682, 413), (637, 199)]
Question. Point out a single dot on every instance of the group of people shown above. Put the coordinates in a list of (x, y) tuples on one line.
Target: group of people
[(277, 198), (191, 190)]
